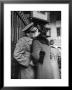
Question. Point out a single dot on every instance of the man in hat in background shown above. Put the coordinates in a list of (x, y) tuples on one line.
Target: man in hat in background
[(22, 53)]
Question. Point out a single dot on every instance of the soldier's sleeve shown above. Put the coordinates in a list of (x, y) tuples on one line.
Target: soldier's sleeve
[(36, 50), (20, 53)]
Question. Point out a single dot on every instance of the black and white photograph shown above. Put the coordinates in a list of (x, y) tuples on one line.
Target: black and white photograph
[(35, 44)]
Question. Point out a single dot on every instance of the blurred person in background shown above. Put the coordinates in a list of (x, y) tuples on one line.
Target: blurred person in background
[(54, 55)]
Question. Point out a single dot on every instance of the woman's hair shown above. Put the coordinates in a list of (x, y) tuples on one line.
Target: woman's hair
[(42, 39)]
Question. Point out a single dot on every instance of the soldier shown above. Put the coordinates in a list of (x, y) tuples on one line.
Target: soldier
[(22, 53)]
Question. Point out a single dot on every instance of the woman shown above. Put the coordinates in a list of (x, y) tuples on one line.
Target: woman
[(46, 68)]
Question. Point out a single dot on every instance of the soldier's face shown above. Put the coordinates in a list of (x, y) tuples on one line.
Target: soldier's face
[(35, 34), (31, 34)]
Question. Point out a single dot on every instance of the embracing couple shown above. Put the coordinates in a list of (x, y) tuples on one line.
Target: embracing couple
[(33, 52)]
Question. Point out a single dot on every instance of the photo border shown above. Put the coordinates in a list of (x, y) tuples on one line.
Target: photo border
[(2, 2)]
